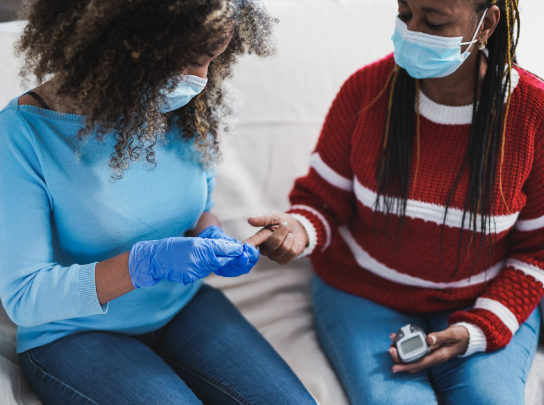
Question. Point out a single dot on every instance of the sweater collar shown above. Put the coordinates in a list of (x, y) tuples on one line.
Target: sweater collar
[(448, 115)]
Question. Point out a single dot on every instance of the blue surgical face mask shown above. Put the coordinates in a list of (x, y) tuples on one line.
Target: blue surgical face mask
[(187, 88), (426, 56)]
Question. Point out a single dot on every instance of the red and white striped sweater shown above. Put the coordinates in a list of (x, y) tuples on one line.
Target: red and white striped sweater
[(335, 202)]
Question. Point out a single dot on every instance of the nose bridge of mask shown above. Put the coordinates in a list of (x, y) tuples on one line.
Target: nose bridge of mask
[(194, 80), (435, 40)]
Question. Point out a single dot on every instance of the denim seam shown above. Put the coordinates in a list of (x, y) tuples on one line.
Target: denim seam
[(205, 377), (438, 392), (56, 379), (347, 375)]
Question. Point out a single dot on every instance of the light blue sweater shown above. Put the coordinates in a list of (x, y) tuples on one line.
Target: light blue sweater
[(61, 213)]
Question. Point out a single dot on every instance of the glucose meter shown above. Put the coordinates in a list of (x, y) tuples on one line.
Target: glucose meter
[(411, 343)]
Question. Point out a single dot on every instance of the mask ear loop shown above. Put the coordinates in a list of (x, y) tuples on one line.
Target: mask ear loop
[(474, 40)]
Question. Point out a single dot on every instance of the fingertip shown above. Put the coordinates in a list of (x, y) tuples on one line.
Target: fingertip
[(256, 220), (252, 252)]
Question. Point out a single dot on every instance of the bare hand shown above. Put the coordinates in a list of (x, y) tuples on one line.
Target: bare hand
[(444, 345), (282, 239)]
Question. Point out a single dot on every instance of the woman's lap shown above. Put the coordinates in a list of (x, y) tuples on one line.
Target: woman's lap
[(219, 356), (355, 334)]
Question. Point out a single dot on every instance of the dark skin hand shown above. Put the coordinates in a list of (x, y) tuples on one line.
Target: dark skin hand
[(282, 237), (444, 345), (112, 276)]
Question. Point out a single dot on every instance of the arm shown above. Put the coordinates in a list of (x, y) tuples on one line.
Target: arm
[(511, 297), (516, 292), (323, 199), (113, 277), (35, 289)]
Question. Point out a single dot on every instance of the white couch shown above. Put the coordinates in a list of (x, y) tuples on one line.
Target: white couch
[(284, 102)]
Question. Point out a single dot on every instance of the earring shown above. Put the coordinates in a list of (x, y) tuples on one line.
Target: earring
[(483, 45)]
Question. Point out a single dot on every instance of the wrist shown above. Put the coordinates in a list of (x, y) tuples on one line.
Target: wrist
[(477, 341), (308, 233), (141, 263)]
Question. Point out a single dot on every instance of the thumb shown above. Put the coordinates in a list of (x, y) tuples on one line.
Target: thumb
[(262, 220), (437, 339)]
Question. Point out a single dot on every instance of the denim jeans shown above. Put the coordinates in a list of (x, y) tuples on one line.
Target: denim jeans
[(208, 354), (354, 333)]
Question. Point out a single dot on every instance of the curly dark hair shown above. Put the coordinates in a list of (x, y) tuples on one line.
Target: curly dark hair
[(112, 59)]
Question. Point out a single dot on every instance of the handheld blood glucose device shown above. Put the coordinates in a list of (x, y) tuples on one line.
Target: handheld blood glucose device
[(411, 343)]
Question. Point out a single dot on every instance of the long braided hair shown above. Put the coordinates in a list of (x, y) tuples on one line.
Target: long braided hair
[(485, 152)]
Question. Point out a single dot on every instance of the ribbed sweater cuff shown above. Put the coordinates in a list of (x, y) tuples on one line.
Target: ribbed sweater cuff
[(85, 297), (477, 341), (310, 230)]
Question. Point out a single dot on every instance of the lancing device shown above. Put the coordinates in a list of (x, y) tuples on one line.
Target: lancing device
[(411, 343)]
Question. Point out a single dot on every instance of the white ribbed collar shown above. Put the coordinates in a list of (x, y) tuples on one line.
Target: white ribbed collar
[(448, 115)]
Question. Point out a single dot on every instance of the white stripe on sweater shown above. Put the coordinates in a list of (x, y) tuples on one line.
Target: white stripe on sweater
[(528, 269), (527, 225), (503, 313), (415, 209), (370, 264), (329, 174), (430, 212), (321, 218)]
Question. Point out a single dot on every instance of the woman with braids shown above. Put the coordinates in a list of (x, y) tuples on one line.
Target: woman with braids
[(424, 205), (106, 174)]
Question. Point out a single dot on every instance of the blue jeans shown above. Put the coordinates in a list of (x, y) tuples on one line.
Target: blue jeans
[(208, 354), (354, 333)]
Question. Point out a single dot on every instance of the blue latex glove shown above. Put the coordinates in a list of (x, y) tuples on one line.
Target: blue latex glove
[(233, 269), (183, 260)]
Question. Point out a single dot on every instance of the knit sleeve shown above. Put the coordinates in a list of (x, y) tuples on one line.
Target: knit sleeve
[(33, 288), (518, 289), (324, 199)]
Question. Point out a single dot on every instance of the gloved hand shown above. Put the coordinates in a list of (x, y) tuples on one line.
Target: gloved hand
[(232, 269), (184, 260), (215, 232)]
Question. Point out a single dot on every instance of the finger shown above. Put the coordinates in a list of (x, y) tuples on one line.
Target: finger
[(252, 252), (394, 355), (437, 339), (438, 356), (272, 218), (291, 248), (284, 248), (274, 241), (296, 250), (224, 248), (260, 237), (393, 336)]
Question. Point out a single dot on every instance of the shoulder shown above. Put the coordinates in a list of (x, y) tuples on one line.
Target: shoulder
[(374, 74), (531, 92), (15, 133), (368, 81)]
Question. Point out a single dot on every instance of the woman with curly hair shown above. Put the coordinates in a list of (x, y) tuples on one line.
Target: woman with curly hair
[(424, 205), (106, 174)]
